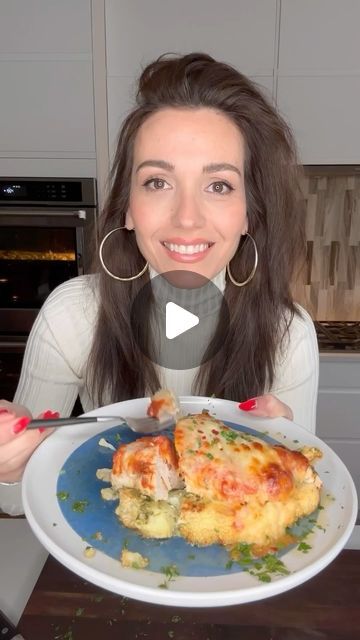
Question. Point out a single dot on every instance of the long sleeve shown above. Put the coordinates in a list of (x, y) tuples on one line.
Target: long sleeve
[(55, 358), (57, 350), (297, 371)]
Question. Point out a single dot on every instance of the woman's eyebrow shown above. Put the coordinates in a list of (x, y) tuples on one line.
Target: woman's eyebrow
[(221, 166), (159, 164), (209, 168)]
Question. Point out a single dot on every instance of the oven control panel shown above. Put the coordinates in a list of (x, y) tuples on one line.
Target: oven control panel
[(39, 191)]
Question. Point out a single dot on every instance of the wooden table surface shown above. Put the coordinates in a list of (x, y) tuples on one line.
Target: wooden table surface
[(66, 607)]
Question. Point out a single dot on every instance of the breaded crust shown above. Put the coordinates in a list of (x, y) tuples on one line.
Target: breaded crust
[(203, 522)]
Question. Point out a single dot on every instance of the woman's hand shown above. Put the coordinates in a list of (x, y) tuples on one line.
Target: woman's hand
[(267, 406), (17, 444)]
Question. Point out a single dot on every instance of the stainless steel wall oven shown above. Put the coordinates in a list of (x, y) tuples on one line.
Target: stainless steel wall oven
[(47, 235)]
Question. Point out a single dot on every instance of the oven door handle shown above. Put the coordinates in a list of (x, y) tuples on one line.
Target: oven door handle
[(79, 213)]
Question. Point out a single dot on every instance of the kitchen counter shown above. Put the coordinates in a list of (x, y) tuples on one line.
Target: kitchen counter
[(340, 354)]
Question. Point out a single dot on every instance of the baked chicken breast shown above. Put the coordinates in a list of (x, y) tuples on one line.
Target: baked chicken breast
[(213, 484)]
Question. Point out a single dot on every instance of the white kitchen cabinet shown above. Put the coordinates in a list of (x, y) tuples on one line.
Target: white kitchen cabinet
[(45, 27), (47, 103), (319, 36), (241, 32), (318, 78), (47, 108), (323, 112), (338, 410)]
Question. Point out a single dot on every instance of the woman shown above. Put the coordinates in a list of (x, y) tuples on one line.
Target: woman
[(204, 179)]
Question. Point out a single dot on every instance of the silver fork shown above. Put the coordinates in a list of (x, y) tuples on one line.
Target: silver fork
[(139, 425)]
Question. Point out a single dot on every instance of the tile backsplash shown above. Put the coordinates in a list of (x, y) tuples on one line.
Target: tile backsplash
[(329, 285)]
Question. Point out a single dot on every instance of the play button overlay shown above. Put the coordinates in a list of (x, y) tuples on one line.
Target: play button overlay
[(179, 319)]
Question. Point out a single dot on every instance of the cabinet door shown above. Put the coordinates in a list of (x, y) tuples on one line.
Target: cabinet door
[(47, 108), (319, 78), (319, 36), (42, 27), (241, 32), (47, 123), (338, 409), (323, 112)]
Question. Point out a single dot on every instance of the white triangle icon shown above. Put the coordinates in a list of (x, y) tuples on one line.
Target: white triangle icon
[(178, 320)]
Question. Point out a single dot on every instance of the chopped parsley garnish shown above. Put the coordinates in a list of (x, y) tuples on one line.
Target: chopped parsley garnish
[(210, 456), (269, 564), (229, 435), (80, 505), (261, 568), (63, 495), (68, 635), (171, 572), (304, 547), (176, 619)]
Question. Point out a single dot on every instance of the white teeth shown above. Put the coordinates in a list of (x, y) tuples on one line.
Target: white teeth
[(188, 249)]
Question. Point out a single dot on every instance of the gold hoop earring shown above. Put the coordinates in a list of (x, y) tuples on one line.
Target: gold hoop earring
[(138, 275), (242, 284)]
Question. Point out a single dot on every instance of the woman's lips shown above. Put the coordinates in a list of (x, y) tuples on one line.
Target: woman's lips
[(187, 253)]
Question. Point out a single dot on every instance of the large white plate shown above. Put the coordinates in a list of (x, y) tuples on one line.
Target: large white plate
[(215, 586)]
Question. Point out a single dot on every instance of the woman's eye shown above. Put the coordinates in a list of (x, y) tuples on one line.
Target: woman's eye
[(221, 187), (156, 184)]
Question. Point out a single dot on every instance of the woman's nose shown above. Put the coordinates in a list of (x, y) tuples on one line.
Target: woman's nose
[(188, 212)]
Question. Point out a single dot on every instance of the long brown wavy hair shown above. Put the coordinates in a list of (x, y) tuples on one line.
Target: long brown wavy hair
[(261, 311)]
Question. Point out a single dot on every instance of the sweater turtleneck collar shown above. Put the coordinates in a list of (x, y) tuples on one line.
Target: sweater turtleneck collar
[(203, 300)]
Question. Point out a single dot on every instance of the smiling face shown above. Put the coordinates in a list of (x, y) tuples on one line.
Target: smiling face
[(187, 196)]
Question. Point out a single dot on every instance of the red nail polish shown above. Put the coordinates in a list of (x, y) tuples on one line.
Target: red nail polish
[(21, 425), (41, 429), (50, 414), (247, 405)]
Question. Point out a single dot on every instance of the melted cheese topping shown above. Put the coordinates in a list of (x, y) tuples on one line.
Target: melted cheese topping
[(219, 463)]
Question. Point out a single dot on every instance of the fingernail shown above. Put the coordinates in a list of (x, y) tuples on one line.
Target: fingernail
[(21, 425), (50, 414), (2, 411), (247, 405)]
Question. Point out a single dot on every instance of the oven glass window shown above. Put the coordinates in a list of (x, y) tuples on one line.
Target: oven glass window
[(33, 261)]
